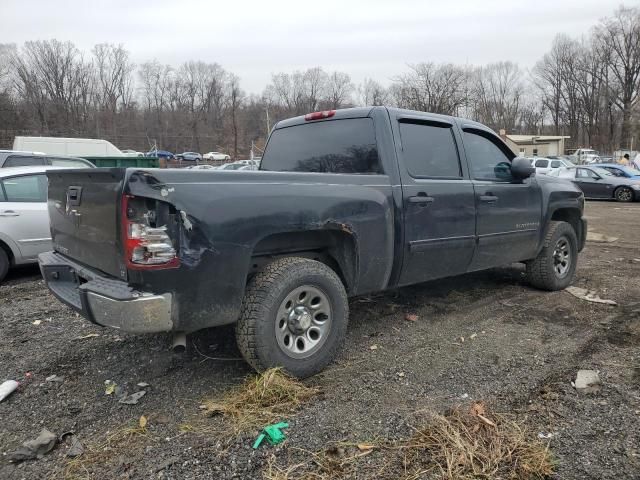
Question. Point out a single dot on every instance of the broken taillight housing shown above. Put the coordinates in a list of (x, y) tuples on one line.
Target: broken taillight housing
[(146, 245)]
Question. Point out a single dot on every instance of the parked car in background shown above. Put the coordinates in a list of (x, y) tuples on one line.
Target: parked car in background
[(132, 153), (216, 156), (80, 147), (620, 170), (231, 166), (24, 218), (546, 165), (189, 156), (13, 158), (248, 167), (583, 156), (201, 167), (164, 154), (596, 182)]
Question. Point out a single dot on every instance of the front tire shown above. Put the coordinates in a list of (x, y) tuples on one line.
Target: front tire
[(294, 315), (623, 194), (555, 266)]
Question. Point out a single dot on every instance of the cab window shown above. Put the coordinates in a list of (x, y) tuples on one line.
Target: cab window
[(25, 188)]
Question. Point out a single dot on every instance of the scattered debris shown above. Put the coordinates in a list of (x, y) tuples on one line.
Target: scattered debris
[(36, 322), (600, 237), (167, 463), (7, 388), (589, 296), (472, 336), (54, 378), (587, 381), (373, 347), (143, 384), (76, 448), (411, 317), (365, 447), (110, 387), (400, 374), (35, 448), (547, 436), (143, 422), (91, 335), (133, 398), (273, 434)]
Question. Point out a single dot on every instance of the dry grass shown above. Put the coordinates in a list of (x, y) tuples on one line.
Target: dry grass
[(121, 439), (462, 444), (261, 400)]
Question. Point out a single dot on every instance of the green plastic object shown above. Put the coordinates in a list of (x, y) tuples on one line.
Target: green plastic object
[(272, 433)]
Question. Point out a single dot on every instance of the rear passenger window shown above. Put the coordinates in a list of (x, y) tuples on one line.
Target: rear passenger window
[(429, 150), (487, 160), (335, 146), (26, 188), (556, 164), (23, 161), (542, 163)]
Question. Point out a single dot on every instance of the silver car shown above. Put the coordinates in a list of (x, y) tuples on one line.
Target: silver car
[(24, 219)]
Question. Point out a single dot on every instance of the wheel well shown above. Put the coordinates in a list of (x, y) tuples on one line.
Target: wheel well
[(335, 248), (8, 251), (572, 217)]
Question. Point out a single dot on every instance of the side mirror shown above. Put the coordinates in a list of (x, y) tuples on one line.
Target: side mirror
[(521, 168)]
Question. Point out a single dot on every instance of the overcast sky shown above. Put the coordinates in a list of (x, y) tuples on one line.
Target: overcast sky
[(365, 38)]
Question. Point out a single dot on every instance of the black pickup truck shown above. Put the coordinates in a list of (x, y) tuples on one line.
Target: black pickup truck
[(346, 202)]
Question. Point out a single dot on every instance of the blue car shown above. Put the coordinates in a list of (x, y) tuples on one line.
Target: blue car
[(619, 170), (161, 154)]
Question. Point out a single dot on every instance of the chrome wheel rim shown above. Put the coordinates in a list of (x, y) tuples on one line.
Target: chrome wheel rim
[(562, 257), (303, 321), (624, 194)]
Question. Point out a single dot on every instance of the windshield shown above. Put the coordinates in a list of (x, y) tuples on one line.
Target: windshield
[(632, 171)]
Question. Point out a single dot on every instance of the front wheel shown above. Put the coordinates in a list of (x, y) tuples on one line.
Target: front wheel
[(624, 194), (294, 316), (555, 265)]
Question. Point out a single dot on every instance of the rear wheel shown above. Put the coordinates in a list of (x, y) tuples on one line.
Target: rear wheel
[(623, 194), (555, 265), (294, 316), (4, 264)]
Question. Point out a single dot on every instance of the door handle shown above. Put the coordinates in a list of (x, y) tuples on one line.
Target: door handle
[(421, 199), (9, 213), (488, 198)]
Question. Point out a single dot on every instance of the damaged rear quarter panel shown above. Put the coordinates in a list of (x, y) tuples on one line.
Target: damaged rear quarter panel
[(225, 214)]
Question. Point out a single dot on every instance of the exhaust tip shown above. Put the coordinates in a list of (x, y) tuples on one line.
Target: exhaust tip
[(179, 344)]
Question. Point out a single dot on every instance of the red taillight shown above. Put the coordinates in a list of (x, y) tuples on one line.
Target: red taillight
[(319, 115), (145, 247)]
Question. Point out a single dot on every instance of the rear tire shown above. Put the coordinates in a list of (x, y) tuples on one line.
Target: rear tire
[(294, 315), (4, 264), (623, 194), (555, 265)]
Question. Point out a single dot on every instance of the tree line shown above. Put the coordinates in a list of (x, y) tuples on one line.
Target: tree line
[(587, 88)]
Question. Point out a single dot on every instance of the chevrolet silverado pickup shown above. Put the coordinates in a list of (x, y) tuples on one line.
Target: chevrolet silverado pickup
[(345, 203)]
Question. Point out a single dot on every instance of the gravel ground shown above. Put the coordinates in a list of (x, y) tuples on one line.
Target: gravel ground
[(521, 350)]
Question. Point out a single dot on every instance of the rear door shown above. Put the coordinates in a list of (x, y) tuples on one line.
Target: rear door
[(508, 212), (438, 199), (23, 214)]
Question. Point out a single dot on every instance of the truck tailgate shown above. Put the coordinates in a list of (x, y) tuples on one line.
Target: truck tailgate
[(83, 209)]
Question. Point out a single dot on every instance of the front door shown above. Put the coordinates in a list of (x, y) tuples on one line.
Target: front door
[(439, 209), (592, 184), (509, 213), (23, 214)]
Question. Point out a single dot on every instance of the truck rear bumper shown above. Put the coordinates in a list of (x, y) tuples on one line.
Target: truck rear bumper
[(103, 300)]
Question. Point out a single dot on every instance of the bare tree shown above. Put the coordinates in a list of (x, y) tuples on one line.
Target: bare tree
[(432, 88), (114, 76), (620, 35), (372, 93), (339, 90), (497, 95), (236, 97)]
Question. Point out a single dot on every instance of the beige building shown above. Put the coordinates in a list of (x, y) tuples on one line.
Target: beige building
[(535, 145)]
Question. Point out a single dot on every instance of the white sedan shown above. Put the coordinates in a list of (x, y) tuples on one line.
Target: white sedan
[(24, 219), (216, 156)]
